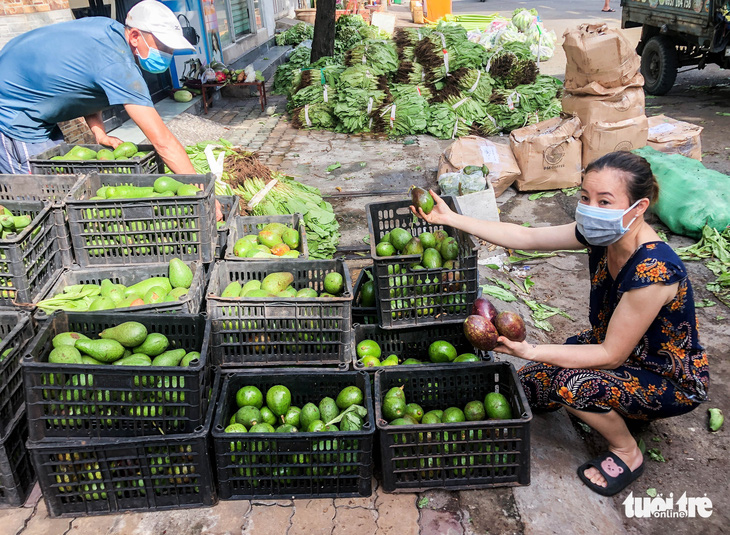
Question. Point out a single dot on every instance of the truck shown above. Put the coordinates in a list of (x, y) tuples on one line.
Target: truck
[(675, 34)]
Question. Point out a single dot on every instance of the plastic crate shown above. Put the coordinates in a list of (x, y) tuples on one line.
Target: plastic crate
[(334, 464), (404, 297), (16, 471), (128, 275), (278, 331), (33, 259), (52, 188), (244, 225), (103, 476), (414, 343), (230, 209), (16, 329), (362, 315), (141, 231), (78, 400), (43, 165), (454, 456)]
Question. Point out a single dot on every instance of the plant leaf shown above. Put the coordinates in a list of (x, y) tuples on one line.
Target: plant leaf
[(498, 292)]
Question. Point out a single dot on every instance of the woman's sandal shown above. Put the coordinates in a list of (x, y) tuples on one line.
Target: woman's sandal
[(614, 470), (609, 10)]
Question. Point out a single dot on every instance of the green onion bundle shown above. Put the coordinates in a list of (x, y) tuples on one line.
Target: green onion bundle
[(371, 53)]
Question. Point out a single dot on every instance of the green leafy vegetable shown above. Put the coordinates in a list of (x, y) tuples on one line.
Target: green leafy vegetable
[(541, 313), (656, 455), (498, 292)]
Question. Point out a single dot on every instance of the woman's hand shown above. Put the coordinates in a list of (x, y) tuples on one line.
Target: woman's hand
[(109, 141), (516, 349), (440, 215)]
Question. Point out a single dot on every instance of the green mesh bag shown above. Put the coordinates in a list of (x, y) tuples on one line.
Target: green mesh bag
[(690, 195)]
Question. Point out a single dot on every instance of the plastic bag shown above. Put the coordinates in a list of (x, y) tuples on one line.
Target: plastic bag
[(208, 76), (690, 195), (461, 183)]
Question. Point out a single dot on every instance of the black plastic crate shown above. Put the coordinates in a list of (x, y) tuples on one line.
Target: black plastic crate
[(333, 464), (52, 188), (79, 400), (43, 165), (229, 209), (33, 259), (407, 298), (128, 275), (141, 231), (454, 456), (362, 315), (244, 225), (414, 343), (16, 329), (278, 331), (16, 471), (104, 476)]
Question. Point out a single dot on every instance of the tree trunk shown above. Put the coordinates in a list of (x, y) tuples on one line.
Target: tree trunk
[(323, 43)]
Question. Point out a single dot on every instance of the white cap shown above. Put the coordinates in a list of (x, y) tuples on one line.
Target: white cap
[(153, 17)]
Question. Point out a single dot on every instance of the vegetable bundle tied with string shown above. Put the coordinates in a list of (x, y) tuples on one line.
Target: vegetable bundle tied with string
[(379, 54), (300, 58), (444, 123), (408, 114), (288, 196), (316, 116)]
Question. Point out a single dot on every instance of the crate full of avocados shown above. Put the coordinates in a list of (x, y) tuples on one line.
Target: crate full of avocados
[(116, 375), (84, 159), (452, 427), (424, 274), (280, 313), (303, 433), (136, 219), (112, 475)]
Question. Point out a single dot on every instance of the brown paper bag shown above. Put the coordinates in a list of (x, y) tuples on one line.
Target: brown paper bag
[(596, 89), (675, 137), (474, 150), (593, 109), (549, 154), (601, 138), (597, 54)]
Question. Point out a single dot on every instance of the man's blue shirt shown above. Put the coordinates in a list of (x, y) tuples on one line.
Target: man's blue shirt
[(63, 71)]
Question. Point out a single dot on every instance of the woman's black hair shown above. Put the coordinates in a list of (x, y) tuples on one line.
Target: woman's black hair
[(640, 181)]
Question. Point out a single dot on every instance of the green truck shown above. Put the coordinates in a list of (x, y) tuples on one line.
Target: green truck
[(678, 33)]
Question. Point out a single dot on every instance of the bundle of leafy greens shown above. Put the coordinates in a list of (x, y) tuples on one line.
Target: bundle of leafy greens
[(468, 54), (410, 72), (468, 108), (314, 116), (328, 75), (477, 84), (299, 59), (361, 77), (408, 114), (452, 31), (350, 21), (354, 108), (197, 156), (295, 35), (443, 122), (410, 36), (509, 70), (313, 94), (345, 38), (400, 90), (714, 247), (380, 54), (373, 32), (291, 197)]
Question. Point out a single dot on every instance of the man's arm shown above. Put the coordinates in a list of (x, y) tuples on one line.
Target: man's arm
[(96, 124), (168, 147)]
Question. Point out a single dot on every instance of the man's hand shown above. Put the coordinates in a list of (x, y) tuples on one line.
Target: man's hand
[(109, 141)]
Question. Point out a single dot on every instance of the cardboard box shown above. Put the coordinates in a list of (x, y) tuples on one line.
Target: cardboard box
[(598, 54), (549, 154), (474, 150), (675, 137), (594, 109), (601, 138)]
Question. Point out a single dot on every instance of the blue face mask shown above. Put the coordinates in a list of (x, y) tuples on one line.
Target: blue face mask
[(156, 61), (602, 226)]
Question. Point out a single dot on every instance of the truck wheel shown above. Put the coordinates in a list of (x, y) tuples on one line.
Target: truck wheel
[(659, 65)]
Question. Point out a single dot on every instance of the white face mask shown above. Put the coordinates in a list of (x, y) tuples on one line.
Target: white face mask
[(602, 226)]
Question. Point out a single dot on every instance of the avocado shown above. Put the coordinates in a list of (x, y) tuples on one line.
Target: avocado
[(431, 259), (154, 344), (102, 303), (125, 150), (190, 357), (128, 334), (278, 399), (136, 359), (67, 339), (65, 355), (277, 282), (309, 414), (328, 409), (103, 350), (269, 238), (250, 286), (497, 407), (350, 395), (105, 154), (169, 358), (187, 190), (393, 408), (166, 184), (232, 290), (291, 238)]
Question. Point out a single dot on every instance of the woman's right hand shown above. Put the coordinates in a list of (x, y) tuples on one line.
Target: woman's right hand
[(440, 215)]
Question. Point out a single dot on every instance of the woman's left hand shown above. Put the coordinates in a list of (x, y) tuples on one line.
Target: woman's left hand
[(516, 349)]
